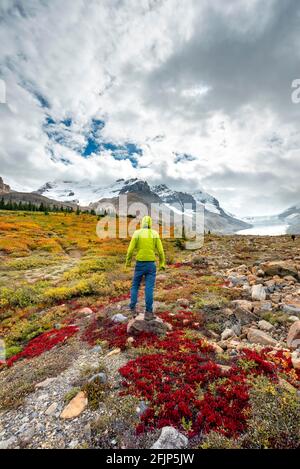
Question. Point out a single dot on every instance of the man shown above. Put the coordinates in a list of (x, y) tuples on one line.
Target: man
[(147, 242)]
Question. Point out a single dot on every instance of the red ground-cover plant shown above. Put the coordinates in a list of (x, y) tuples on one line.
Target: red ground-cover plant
[(279, 361), (187, 389), (183, 319), (43, 342)]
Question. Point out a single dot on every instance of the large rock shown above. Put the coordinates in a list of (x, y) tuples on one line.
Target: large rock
[(265, 325), (295, 357), (258, 293), (293, 338), (170, 438), (227, 334), (75, 407), (243, 310), (255, 336), (291, 308), (281, 268), (139, 324)]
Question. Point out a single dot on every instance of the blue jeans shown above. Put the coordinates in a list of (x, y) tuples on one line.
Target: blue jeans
[(142, 269)]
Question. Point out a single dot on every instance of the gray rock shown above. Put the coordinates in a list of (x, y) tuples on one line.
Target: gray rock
[(8, 443), (234, 324), (119, 318), (258, 292), (100, 377), (243, 310), (227, 334), (265, 325), (238, 280), (256, 336), (266, 306), (51, 409), (44, 384), (281, 268), (290, 309), (139, 324), (170, 438)]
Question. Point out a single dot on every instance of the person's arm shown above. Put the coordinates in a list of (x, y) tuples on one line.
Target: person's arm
[(161, 254), (130, 250)]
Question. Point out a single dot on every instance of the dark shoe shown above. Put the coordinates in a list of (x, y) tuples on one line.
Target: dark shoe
[(150, 316), (133, 313)]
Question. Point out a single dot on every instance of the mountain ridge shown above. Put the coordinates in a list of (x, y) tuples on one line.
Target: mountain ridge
[(88, 194)]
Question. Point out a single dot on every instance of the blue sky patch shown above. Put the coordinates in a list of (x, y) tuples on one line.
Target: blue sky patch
[(60, 132)]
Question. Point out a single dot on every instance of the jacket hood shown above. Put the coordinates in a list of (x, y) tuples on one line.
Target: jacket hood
[(147, 222)]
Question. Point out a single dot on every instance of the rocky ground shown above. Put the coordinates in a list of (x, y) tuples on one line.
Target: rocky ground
[(92, 388)]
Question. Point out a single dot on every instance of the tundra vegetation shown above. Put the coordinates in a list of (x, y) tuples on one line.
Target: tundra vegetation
[(60, 290)]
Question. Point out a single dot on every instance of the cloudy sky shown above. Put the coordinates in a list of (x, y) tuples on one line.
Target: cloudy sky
[(193, 93)]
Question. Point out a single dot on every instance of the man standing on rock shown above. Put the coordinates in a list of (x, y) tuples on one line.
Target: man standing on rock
[(147, 242)]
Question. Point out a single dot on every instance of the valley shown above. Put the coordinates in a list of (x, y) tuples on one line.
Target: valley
[(225, 375)]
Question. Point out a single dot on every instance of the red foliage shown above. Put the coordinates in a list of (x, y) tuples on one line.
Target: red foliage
[(183, 319), (43, 342), (185, 388)]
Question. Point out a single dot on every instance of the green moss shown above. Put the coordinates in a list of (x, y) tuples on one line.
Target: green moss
[(96, 393), (71, 394)]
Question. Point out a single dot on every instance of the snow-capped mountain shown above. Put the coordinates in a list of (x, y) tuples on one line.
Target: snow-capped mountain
[(89, 194), (291, 217), (81, 192)]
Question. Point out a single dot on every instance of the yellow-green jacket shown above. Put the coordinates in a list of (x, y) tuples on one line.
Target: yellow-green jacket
[(147, 242)]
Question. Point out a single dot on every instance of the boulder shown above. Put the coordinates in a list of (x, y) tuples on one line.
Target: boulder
[(295, 357), (234, 324), (265, 325), (139, 324), (119, 318), (293, 338), (256, 336), (227, 334), (170, 438), (216, 347), (258, 292), (243, 310), (281, 268), (291, 308), (265, 306), (75, 407)]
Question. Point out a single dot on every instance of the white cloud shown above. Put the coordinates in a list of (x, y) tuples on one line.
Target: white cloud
[(207, 79)]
